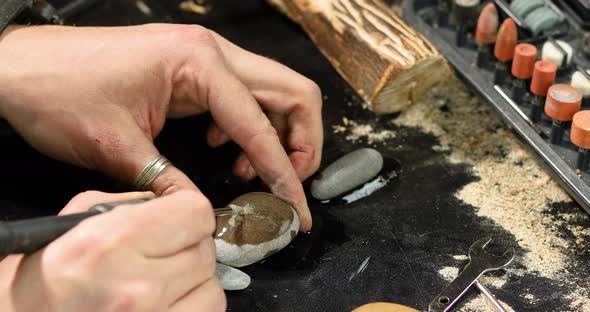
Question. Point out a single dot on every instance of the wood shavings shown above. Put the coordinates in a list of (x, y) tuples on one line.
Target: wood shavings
[(513, 190), (579, 300), (461, 257), (481, 304), (192, 7), (450, 273), (356, 132), (530, 298), (143, 7)]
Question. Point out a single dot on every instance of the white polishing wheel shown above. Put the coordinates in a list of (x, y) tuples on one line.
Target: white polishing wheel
[(553, 54), (580, 82)]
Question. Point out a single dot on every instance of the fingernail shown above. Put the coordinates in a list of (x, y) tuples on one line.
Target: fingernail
[(304, 217), (147, 194), (309, 223), (138, 195)]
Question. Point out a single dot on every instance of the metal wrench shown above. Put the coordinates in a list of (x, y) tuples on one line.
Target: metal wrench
[(480, 262)]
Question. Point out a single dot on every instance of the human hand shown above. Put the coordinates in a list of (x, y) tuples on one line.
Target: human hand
[(97, 97), (134, 258)]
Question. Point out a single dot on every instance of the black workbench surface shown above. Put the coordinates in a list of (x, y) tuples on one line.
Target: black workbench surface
[(410, 229)]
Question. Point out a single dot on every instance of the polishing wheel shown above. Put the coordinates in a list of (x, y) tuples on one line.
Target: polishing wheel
[(384, 307)]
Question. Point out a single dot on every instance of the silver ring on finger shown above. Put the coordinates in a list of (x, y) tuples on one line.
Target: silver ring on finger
[(150, 172)]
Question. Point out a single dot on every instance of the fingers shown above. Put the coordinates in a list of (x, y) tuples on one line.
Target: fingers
[(279, 89), (215, 136), (158, 228), (166, 225), (187, 269), (242, 166), (207, 297), (84, 201), (238, 114)]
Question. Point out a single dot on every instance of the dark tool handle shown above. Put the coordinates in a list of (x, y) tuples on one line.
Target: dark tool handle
[(28, 236), (10, 9), (76, 7)]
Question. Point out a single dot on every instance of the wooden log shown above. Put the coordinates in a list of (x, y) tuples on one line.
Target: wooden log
[(386, 61)]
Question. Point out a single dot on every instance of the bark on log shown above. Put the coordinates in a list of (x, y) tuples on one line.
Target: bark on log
[(387, 62)]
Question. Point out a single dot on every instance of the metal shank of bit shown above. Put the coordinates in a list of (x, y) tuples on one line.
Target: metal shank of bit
[(490, 297), (480, 262)]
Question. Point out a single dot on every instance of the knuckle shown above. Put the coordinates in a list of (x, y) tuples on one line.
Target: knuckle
[(82, 198), (261, 135), (92, 242), (191, 37), (136, 296), (86, 248), (198, 207), (195, 34), (312, 90)]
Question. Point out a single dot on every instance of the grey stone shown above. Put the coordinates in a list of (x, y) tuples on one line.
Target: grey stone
[(347, 173), (231, 278)]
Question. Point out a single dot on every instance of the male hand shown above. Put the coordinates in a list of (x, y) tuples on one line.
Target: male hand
[(154, 256), (97, 97)]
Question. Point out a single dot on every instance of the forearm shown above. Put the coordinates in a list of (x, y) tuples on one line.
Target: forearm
[(26, 70)]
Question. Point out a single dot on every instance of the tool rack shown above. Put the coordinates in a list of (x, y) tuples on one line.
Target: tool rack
[(425, 16)]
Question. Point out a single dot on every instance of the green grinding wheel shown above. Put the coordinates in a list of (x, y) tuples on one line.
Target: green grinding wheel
[(522, 8), (541, 20)]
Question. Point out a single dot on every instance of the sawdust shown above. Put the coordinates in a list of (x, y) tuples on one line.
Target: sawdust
[(477, 303), (513, 190), (450, 273), (529, 297), (579, 300), (481, 304), (461, 257), (143, 7), (192, 7), (356, 132)]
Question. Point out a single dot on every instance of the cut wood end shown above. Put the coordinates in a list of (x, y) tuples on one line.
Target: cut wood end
[(403, 87), (279, 5), (387, 62)]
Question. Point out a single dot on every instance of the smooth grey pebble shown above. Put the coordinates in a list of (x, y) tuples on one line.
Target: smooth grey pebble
[(347, 173), (231, 278)]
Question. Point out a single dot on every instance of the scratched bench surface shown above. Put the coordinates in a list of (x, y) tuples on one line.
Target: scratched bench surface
[(401, 244)]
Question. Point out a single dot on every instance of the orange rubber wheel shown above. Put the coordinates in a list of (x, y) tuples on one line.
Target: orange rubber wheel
[(384, 307)]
